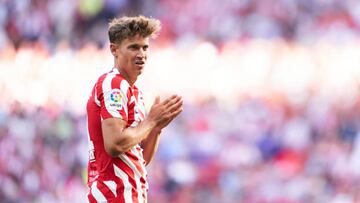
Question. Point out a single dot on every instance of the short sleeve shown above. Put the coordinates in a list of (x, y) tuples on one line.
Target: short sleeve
[(113, 98)]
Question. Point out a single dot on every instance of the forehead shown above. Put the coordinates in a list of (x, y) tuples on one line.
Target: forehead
[(137, 39)]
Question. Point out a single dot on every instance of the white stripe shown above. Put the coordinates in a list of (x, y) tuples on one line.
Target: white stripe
[(106, 88), (90, 143), (140, 156), (141, 104), (127, 186), (132, 99), (115, 70), (97, 193), (124, 86), (88, 132), (137, 176), (111, 185), (126, 160)]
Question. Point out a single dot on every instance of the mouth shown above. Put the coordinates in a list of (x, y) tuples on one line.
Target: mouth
[(140, 63)]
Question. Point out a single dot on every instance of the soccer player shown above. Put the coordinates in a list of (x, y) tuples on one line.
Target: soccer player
[(122, 137)]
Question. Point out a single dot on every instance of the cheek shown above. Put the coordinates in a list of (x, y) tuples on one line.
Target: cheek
[(130, 59)]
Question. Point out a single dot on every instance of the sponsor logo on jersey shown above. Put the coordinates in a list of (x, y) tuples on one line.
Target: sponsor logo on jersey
[(115, 98)]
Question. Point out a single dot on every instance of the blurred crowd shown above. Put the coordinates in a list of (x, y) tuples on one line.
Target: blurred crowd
[(53, 21), (263, 149), (43, 154), (271, 91), (279, 122)]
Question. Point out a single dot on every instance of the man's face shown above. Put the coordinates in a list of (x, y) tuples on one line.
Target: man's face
[(131, 55)]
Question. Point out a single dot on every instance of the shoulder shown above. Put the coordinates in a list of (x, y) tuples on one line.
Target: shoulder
[(112, 80)]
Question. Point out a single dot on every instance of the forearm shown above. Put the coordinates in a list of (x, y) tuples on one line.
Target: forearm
[(123, 139), (118, 139), (150, 145)]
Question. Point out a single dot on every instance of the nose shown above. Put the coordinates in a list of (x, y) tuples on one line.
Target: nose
[(141, 53)]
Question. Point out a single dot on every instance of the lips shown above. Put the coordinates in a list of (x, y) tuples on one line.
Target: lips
[(139, 62)]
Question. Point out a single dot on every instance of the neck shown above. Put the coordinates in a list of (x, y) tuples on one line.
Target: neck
[(126, 76)]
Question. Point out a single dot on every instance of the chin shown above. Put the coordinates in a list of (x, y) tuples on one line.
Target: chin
[(141, 69), (139, 72)]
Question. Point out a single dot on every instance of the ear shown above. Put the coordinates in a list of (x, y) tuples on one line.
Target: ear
[(113, 48)]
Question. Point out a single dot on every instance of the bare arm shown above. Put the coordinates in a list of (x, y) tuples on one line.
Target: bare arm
[(119, 139), (150, 144)]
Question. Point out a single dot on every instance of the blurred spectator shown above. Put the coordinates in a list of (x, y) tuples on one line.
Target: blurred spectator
[(81, 21), (43, 153), (273, 120)]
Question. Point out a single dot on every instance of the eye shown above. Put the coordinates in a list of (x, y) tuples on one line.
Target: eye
[(133, 47), (146, 47)]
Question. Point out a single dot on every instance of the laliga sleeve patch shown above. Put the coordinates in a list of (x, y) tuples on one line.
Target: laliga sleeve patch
[(115, 99)]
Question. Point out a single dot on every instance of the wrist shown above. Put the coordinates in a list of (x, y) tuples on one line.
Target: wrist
[(156, 130), (150, 123)]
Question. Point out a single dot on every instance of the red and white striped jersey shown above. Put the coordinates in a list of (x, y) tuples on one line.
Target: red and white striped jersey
[(122, 178)]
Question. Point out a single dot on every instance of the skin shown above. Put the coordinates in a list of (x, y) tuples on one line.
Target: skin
[(130, 58)]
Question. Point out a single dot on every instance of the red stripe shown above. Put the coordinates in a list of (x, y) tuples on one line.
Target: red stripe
[(119, 187), (131, 110), (144, 190), (108, 194), (136, 93), (118, 199), (91, 198), (133, 157), (92, 97), (131, 177), (99, 89), (136, 161), (129, 94)]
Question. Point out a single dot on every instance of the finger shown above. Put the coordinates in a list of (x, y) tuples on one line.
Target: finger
[(175, 106), (176, 113), (173, 101), (166, 102), (157, 100), (171, 116)]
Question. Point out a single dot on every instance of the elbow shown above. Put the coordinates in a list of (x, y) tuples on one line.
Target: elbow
[(147, 157), (147, 162), (115, 150), (112, 151)]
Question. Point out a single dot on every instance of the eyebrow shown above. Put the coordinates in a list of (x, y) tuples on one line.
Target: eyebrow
[(137, 46)]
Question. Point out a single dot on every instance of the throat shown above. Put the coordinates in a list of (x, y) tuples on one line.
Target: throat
[(127, 77)]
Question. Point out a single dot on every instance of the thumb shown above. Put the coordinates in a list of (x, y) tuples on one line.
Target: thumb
[(157, 100)]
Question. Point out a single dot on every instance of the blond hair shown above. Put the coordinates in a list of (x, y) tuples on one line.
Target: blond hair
[(128, 27)]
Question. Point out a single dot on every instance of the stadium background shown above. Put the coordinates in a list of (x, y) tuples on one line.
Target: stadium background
[(271, 91)]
